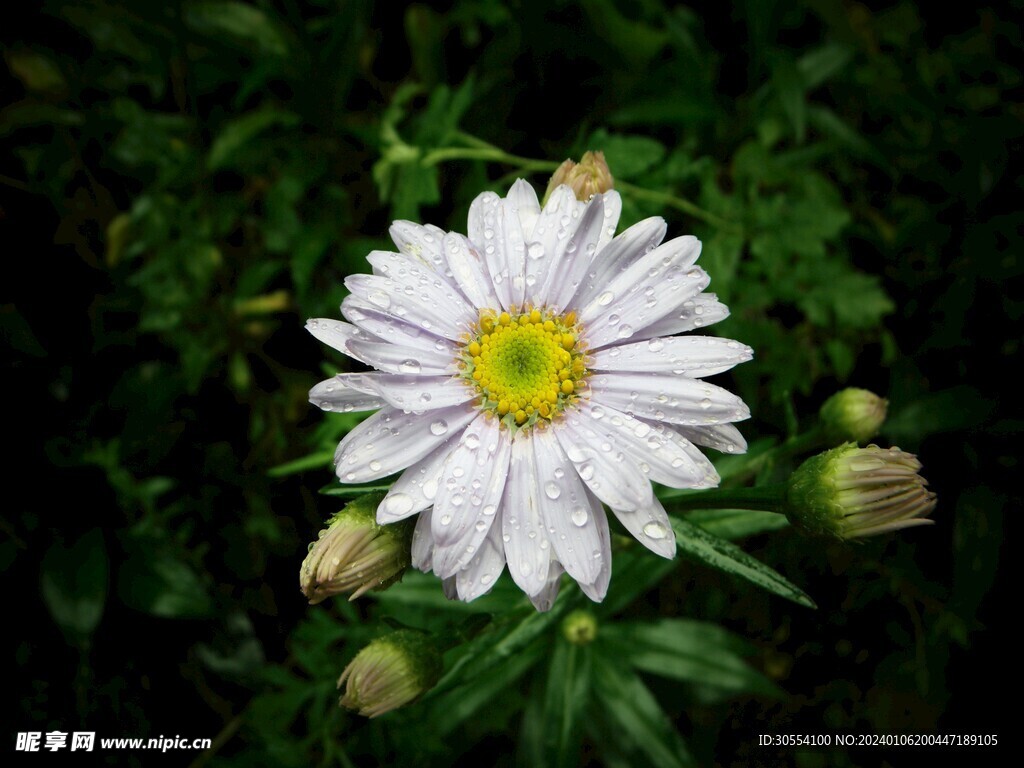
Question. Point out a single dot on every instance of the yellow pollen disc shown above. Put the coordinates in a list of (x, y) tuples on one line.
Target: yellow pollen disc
[(527, 365)]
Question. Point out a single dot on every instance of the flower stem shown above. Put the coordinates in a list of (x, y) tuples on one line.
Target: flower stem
[(674, 201), (765, 498), (793, 446)]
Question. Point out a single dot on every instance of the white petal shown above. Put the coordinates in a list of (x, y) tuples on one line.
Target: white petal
[(693, 356), (450, 588), (527, 549), (391, 440), (722, 437), (513, 249), (422, 551), (343, 393), (419, 241), (597, 589), (486, 232), (523, 202), (337, 334), (469, 271), (416, 393), (665, 397), (405, 359), (545, 598), (702, 310), (566, 510), (480, 574), (573, 257), (618, 255), (608, 471), (612, 211), (652, 288), (662, 454), (470, 493), (390, 328), (416, 489), (428, 300), (547, 244), (651, 527)]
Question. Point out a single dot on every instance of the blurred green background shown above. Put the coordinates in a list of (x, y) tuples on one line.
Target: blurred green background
[(183, 183)]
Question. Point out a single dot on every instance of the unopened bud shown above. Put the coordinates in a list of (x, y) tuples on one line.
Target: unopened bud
[(850, 492), (589, 177), (580, 627), (853, 415), (390, 672), (355, 554)]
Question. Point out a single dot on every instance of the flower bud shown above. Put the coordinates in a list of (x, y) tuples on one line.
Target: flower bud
[(355, 553), (580, 627), (390, 672), (849, 492), (587, 178), (852, 414)]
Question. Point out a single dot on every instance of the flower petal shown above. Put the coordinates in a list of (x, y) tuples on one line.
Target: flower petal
[(472, 483), (665, 397), (344, 393), (523, 202), (618, 255), (702, 310), (337, 334), (662, 453), (651, 527), (416, 489), (572, 258), (597, 589), (566, 511), (422, 550), (612, 211), (426, 300), (487, 233), (469, 271), (419, 241), (415, 393), (404, 359), (527, 549), (693, 356), (391, 440), (547, 244), (480, 574), (722, 437), (615, 478), (387, 327), (544, 599)]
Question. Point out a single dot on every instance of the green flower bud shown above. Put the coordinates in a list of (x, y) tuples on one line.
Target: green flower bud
[(390, 672), (850, 492), (580, 627), (587, 178), (355, 553), (853, 414)]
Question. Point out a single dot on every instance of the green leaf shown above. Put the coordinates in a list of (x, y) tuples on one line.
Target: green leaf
[(790, 89), (241, 21), (949, 410), (819, 65), (156, 581), (565, 698), (240, 131), (736, 523), (627, 156), (686, 650), (635, 572), (74, 585), (697, 543), (636, 724)]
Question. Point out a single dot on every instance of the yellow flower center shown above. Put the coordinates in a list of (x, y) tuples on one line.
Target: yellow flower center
[(527, 366)]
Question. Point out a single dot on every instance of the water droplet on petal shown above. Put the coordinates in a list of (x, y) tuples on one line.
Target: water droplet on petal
[(409, 366), (579, 517), (552, 491), (398, 504), (439, 427), (605, 298), (655, 530)]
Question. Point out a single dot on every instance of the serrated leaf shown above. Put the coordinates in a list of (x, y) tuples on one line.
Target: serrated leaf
[(637, 725), (695, 542)]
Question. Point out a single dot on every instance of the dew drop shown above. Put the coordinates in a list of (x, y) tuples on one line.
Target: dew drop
[(605, 298), (447, 519), (535, 251), (398, 504), (656, 345), (579, 517), (409, 366), (655, 530), (552, 491), (439, 427)]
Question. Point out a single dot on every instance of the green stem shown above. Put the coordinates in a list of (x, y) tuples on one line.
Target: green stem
[(765, 498), (794, 446), (674, 201), (486, 153)]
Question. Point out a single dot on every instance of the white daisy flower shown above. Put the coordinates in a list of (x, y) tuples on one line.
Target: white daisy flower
[(526, 375)]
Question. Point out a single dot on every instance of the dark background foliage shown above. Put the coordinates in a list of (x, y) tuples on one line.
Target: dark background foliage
[(183, 183)]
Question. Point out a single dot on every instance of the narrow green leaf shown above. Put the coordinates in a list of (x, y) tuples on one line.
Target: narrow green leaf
[(565, 697), (736, 523), (240, 131), (156, 581), (634, 573), (697, 543), (691, 651), (352, 491), (790, 89), (240, 21), (636, 723), (74, 585), (817, 66)]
